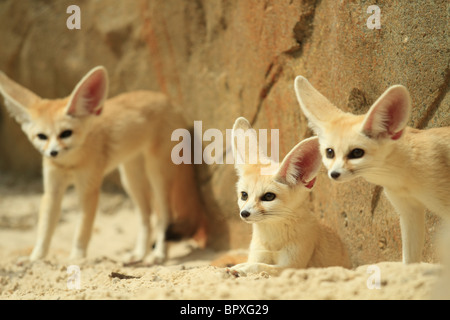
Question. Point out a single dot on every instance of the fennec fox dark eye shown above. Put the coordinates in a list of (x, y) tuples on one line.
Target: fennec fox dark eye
[(244, 195), (42, 136), (329, 153), (356, 153), (65, 134), (269, 196)]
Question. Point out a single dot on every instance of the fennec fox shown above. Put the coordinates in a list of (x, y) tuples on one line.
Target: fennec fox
[(84, 136), (285, 234), (412, 165)]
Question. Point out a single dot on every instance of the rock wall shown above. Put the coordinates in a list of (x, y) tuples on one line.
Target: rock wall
[(222, 59)]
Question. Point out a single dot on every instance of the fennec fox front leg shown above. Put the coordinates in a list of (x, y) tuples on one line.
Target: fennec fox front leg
[(55, 185), (413, 166), (84, 136), (271, 197)]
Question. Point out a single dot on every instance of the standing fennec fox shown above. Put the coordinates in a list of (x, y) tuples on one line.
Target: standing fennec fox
[(412, 165), (84, 136), (285, 233)]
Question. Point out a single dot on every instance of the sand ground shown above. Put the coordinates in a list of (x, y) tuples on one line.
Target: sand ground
[(188, 273)]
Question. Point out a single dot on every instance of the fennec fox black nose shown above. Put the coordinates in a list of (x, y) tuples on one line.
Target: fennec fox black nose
[(245, 214), (335, 174), (54, 153)]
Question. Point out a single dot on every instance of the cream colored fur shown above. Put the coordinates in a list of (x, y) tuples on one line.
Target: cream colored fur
[(285, 233), (412, 165), (132, 131)]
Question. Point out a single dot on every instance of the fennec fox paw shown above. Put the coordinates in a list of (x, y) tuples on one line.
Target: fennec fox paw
[(242, 269), (137, 255), (235, 272), (77, 253), (37, 255), (156, 258)]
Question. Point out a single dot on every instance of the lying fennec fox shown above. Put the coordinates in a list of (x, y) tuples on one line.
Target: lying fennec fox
[(412, 165), (285, 234), (84, 136)]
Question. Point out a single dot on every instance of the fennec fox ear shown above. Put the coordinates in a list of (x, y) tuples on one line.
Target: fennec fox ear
[(244, 151), (90, 93), (301, 165), (17, 98), (388, 116), (317, 109)]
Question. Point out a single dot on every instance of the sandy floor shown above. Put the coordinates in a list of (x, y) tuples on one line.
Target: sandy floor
[(187, 274)]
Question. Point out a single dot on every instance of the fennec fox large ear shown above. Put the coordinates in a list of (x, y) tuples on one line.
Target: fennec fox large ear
[(388, 116), (90, 93), (317, 109), (245, 151), (302, 164), (17, 98)]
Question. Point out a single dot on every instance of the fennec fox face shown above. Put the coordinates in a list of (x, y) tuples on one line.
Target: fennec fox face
[(55, 135), (259, 197), (57, 127), (267, 198), (272, 197), (347, 153), (355, 145)]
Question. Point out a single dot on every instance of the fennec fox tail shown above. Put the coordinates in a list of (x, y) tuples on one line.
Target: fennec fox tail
[(413, 166), (84, 136), (285, 234)]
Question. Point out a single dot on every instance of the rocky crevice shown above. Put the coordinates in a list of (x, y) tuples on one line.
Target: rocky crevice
[(301, 32)]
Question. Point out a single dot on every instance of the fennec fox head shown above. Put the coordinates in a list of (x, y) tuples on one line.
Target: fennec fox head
[(56, 127), (355, 145), (269, 197)]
